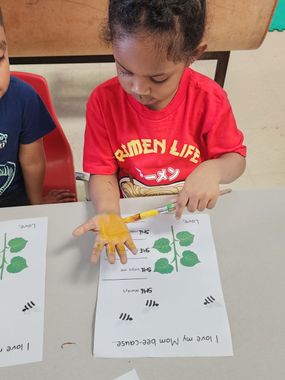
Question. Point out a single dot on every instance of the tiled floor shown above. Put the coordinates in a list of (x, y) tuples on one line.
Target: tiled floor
[(255, 83)]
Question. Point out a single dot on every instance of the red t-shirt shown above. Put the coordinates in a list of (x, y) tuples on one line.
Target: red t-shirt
[(151, 151)]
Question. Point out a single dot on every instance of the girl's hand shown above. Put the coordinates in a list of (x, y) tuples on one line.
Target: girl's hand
[(200, 190), (111, 232)]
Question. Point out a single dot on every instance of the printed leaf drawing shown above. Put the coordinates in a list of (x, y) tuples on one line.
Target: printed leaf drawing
[(189, 259), (17, 263), (17, 244), (185, 238), (163, 245), (162, 266)]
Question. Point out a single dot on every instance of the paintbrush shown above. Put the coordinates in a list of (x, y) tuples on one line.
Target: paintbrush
[(159, 210)]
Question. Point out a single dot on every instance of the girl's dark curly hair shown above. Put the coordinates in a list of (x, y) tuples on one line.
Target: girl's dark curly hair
[(179, 24)]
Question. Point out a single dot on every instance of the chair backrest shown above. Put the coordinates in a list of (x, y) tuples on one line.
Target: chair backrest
[(73, 27), (59, 160)]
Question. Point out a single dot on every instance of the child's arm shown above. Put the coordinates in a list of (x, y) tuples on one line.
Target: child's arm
[(104, 193), (109, 226), (32, 161), (201, 188)]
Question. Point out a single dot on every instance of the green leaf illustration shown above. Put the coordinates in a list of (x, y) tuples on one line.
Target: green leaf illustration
[(17, 264), (17, 244), (162, 266), (162, 245), (189, 259), (185, 238)]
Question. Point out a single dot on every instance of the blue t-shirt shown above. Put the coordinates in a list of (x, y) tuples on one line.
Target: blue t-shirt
[(23, 120)]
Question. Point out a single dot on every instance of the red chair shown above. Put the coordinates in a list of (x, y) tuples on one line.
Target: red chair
[(59, 160)]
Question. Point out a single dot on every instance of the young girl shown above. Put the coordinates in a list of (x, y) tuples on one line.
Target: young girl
[(158, 127)]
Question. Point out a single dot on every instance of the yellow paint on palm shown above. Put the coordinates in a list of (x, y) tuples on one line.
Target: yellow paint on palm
[(114, 233), (112, 227)]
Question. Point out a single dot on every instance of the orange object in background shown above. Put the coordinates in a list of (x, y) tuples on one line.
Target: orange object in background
[(59, 160)]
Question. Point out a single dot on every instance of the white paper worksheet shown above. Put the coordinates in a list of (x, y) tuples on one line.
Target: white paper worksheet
[(167, 300), (22, 288), (132, 375)]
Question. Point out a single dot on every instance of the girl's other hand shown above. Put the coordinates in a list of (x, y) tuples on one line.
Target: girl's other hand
[(200, 191)]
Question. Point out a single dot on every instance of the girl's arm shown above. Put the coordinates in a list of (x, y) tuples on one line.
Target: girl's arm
[(32, 161), (104, 193), (226, 168), (201, 188)]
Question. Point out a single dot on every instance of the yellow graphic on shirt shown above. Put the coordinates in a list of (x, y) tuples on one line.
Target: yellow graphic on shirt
[(131, 187), (146, 146)]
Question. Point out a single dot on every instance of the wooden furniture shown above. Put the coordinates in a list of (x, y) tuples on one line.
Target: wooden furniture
[(61, 31), (248, 230)]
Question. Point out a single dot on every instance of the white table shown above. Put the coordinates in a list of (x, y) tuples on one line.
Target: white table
[(249, 232)]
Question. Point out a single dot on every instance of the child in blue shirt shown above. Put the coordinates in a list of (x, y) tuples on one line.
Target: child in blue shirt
[(24, 120)]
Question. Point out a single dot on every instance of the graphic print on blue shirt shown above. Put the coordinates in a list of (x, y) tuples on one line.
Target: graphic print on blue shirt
[(7, 170), (23, 120)]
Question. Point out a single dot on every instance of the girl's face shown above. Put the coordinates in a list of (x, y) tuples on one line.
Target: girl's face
[(146, 73), (4, 63)]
